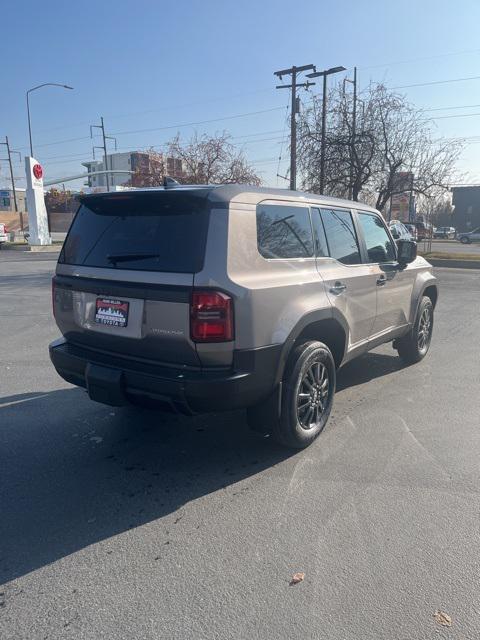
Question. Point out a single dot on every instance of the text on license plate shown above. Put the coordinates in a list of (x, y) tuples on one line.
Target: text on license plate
[(111, 312)]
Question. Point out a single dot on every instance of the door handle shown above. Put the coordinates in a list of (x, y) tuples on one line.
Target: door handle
[(381, 280), (338, 288)]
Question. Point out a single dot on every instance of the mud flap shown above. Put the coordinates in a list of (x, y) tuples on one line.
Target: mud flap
[(265, 414), (105, 385)]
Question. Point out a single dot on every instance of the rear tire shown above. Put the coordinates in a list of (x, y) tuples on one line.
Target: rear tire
[(415, 345), (307, 395)]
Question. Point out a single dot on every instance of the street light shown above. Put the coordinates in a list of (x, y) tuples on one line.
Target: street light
[(45, 84), (317, 74)]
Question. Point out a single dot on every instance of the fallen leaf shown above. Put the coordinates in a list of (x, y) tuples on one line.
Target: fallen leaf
[(443, 618), (297, 577)]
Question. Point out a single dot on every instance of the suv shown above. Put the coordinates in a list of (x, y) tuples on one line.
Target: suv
[(225, 297), (444, 232), (466, 237)]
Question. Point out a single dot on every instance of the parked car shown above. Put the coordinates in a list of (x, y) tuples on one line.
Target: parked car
[(225, 297), (399, 231), (412, 229), (424, 230), (466, 237), (444, 232), (3, 234)]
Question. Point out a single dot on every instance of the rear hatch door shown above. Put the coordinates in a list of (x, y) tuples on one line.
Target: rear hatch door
[(125, 275)]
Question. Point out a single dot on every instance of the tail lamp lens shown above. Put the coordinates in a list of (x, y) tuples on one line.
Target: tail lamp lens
[(211, 317)]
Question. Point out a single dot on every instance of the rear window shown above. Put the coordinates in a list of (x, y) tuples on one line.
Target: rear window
[(158, 231)]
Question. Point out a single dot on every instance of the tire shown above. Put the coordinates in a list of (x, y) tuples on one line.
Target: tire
[(465, 240), (415, 345), (307, 395)]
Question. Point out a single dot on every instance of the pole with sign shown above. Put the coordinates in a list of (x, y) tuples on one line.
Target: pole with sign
[(37, 212)]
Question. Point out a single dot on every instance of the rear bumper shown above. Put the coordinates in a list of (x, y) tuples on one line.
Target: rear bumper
[(116, 380)]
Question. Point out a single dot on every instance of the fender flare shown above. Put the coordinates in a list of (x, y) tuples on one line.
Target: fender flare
[(428, 283), (309, 318)]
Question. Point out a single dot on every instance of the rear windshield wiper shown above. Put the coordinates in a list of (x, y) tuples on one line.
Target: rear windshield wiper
[(126, 257)]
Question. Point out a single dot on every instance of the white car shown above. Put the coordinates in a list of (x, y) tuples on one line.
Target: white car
[(3, 234)]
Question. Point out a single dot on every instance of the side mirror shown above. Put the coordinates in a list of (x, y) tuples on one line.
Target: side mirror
[(407, 251)]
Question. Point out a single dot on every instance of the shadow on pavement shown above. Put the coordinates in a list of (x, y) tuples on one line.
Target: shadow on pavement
[(368, 367), (73, 472)]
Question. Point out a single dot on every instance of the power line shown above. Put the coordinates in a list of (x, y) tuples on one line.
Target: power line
[(426, 84), (164, 145), (435, 57), (173, 126), (456, 115), (168, 108), (461, 106), (191, 124)]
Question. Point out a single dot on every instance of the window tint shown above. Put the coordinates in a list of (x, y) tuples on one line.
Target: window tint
[(321, 246), (284, 232), (157, 231), (341, 236), (379, 246)]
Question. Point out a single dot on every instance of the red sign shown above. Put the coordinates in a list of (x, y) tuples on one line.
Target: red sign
[(37, 171)]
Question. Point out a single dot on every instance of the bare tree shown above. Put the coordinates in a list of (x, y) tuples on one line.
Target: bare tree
[(212, 160), (392, 137), (150, 169)]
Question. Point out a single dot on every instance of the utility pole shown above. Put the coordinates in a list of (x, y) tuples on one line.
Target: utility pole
[(354, 129), (104, 147), (293, 71), (323, 144), (12, 178)]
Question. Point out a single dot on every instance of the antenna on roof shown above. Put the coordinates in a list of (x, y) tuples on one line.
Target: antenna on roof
[(170, 183)]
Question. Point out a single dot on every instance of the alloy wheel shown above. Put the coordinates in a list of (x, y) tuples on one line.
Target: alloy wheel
[(313, 395), (424, 330)]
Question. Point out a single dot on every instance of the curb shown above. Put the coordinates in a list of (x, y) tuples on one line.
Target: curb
[(454, 264), (49, 248)]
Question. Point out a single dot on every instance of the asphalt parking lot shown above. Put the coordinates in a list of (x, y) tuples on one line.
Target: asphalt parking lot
[(126, 523)]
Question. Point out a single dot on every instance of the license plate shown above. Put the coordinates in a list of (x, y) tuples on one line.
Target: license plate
[(113, 313)]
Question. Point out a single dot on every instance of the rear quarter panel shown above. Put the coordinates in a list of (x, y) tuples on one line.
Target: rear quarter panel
[(270, 296)]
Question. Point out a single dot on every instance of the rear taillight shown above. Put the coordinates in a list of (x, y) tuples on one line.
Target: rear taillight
[(5, 230), (211, 317)]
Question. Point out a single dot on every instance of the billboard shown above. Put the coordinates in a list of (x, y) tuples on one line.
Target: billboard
[(402, 202)]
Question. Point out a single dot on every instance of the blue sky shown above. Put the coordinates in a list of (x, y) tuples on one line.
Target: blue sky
[(147, 65)]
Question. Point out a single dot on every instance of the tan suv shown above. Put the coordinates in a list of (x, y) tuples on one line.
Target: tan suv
[(224, 297)]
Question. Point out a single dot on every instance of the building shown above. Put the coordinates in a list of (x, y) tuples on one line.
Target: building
[(15, 221), (7, 202), (466, 208), (135, 161)]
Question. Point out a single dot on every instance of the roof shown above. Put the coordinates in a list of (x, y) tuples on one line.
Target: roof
[(226, 192)]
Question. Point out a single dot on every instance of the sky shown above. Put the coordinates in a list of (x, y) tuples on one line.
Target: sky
[(153, 69)]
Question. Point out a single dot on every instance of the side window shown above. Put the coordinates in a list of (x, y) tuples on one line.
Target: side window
[(321, 246), (341, 236), (284, 231), (379, 246)]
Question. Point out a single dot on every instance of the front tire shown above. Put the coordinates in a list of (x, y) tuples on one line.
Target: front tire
[(307, 395), (465, 240), (415, 345)]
